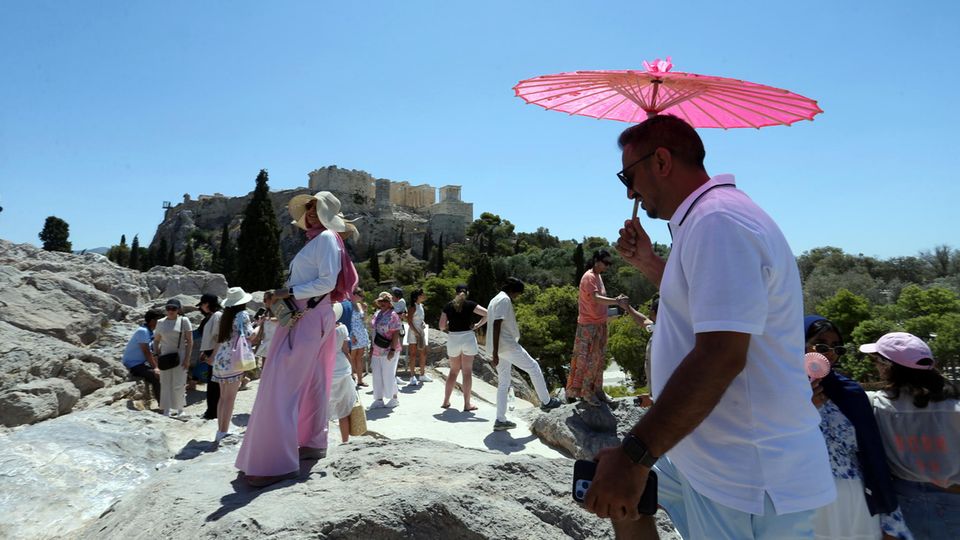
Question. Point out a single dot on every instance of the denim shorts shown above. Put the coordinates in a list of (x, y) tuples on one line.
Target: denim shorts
[(696, 516), (929, 511)]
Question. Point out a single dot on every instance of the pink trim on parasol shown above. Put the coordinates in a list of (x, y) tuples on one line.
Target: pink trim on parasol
[(633, 96)]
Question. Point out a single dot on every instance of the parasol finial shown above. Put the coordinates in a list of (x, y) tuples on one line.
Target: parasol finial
[(658, 65)]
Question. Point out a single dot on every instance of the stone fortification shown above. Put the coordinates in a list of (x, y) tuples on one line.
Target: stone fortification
[(390, 213)]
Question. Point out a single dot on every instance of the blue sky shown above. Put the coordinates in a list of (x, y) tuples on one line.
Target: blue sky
[(109, 108)]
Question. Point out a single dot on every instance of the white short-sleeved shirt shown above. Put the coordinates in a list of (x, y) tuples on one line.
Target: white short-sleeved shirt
[(731, 269), (341, 366), (501, 309), (171, 332), (211, 331), (314, 269)]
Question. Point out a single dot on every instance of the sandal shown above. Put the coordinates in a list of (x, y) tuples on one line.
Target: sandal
[(264, 481), (445, 406), (470, 408)]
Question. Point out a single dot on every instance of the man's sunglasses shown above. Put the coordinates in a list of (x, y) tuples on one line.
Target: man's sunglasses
[(823, 348), (622, 175)]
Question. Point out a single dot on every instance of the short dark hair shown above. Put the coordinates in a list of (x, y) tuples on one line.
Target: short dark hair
[(513, 285), (152, 315), (820, 326), (600, 255), (669, 132)]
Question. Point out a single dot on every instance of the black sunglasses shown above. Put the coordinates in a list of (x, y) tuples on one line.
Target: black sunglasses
[(823, 348), (622, 175)]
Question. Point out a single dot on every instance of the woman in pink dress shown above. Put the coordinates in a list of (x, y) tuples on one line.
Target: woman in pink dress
[(289, 418)]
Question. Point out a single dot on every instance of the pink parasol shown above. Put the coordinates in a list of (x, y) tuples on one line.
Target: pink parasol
[(632, 96)]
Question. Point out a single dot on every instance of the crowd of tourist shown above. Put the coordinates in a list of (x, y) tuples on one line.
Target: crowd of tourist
[(743, 441)]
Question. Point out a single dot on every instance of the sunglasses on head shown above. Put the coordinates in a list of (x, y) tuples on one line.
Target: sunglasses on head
[(823, 348)]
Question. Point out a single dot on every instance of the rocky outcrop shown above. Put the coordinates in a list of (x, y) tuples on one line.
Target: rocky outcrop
[(582, 430), (375, 489), (482, 368), (67, 317)]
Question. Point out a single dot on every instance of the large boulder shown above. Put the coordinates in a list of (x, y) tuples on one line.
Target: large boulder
[(34, 401), (377, 489), (581, 430)]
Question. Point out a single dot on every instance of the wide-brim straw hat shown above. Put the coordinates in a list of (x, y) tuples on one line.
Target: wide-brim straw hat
[(385, 295), (236, 296), (328, 211)]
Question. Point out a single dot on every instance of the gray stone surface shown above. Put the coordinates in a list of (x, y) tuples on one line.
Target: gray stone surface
[(582, 430), (380, 489), (69, 316)]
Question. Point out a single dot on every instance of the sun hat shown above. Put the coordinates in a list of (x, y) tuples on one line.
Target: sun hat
[(236, 296), (397, 291), (328, 210), (902, 348), (384, 296)]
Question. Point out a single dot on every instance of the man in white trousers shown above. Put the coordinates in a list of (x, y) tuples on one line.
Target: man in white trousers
[(503, 339)]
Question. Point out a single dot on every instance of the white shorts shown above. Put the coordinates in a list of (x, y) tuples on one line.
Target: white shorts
[(462, 343)]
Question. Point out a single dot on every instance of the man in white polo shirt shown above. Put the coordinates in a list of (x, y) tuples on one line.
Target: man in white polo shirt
[(733, 435)]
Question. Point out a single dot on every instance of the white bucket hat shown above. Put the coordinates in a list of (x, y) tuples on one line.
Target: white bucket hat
[(328, 210), (236, 296)]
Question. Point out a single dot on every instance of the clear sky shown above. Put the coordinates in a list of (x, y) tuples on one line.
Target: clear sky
[(109, 108)]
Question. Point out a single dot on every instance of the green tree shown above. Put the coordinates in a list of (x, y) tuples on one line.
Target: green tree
[(548, 323), (225, 259), (188, 256), (374, 263), (483, 281), (915, 301), (56, 235), (845, 309), (627, 344), (120, 253), (171, 255), (427, 245), (491, 235), (441, 289), (579, 265), (134, 260), (438, 267), (160, 256), (260, 265)]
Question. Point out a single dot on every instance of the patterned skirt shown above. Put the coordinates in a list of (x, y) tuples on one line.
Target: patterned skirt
[(588, 362)]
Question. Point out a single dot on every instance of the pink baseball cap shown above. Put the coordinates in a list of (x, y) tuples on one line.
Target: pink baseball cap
[(902, 348)]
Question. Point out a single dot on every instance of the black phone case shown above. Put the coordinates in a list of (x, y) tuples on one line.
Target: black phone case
[(584, 470)]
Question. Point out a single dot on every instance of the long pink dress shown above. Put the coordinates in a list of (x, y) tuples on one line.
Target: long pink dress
[(291, 406)]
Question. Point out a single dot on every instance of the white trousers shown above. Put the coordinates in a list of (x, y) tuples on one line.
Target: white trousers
[(519, 357), (173, 390), (384, 376)]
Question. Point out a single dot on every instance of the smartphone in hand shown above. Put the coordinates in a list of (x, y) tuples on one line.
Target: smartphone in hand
[(583, 472)]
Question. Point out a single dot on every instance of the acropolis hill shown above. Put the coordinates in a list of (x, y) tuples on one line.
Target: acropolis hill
[(388, 211)]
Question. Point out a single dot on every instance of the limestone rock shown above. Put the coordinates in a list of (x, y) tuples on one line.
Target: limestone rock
[(582, 430), (380, 489), (38, 400)]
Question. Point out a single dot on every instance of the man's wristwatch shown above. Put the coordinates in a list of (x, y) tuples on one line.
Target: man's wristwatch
[(637, 451)]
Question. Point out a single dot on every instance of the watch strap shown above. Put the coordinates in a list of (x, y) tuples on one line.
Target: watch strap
[(637, 451)]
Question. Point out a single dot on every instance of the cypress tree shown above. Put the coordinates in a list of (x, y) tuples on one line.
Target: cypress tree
[(56, 235), (260, 265), (171, 255), (188, 256), (439, 268), (134, 261), (427, 245), (225, 259), (578, 264), (374, 263), (483, 281), (160, 256)]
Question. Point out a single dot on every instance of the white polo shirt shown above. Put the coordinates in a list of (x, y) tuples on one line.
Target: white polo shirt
[(731, 269)]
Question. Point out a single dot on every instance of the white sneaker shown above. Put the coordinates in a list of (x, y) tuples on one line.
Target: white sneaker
[(220, 436), (399, 381), (378, 404), (426, 378), (413, 382), (392, 403)]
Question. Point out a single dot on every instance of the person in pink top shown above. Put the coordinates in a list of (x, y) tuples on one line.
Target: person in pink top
[(590, 345)]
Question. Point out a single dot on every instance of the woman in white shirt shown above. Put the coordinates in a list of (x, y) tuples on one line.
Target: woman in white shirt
[(289, 418), (417, 339), (173, 335)]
